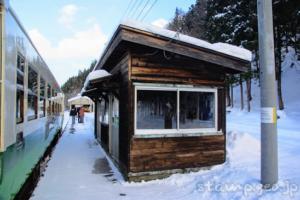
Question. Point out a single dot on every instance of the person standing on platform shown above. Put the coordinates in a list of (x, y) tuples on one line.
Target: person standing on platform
[(81, 114), (73, 113)]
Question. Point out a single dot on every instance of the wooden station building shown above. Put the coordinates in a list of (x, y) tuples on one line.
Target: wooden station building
[(160, 103)]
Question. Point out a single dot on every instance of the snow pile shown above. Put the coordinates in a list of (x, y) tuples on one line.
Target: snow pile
[(228, 49), (241, 144)]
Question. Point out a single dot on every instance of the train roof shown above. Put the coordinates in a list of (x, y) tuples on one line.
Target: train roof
[(46, 68)]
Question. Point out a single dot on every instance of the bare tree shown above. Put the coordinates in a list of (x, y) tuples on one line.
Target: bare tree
[(241, 89)]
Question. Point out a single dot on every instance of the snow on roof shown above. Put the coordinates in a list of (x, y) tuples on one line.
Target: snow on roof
[(224, 48), (77, 98), (97, 74), (94, 75)]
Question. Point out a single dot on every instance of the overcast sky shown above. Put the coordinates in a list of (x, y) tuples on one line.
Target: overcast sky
[(70, 34)]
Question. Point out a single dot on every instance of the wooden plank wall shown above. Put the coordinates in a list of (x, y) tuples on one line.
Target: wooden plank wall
[(176, 153), (179, 70), (152, 154)]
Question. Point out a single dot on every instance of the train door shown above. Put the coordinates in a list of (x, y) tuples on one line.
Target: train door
[(114, 127)]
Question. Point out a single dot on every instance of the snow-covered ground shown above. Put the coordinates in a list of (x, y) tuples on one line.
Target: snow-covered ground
[(80, 170)]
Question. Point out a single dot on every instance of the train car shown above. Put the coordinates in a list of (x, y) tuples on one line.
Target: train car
[(31, 105)]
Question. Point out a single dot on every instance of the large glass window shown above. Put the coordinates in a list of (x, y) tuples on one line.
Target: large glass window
[(32, 108), (197, 110), (42, 102), (156, 109), (175, 110), (20, 89)]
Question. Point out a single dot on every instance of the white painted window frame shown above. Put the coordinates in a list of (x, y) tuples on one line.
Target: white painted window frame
[(177, 131)]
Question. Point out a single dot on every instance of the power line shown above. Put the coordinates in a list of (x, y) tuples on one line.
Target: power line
[(147, 12), (133, 6), (142, 10), (139, 5), (127, 9)]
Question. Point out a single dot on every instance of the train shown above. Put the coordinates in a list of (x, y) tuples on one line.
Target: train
[(31, 105)]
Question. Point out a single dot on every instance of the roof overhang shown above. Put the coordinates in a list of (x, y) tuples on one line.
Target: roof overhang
[(141, 37), (93, 87)]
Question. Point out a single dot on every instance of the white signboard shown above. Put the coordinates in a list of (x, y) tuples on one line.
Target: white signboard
[(268, 115)]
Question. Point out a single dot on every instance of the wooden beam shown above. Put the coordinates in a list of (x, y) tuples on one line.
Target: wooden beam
[(178, 48)]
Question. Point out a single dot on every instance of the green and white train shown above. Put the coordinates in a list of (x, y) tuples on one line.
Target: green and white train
[(31, 105)]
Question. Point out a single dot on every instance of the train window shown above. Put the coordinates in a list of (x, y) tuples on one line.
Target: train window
[(21, 63), (52, 107), (49, 100), (20, 89), (49, 92), (32, 109), (20, 106), (42, 102)]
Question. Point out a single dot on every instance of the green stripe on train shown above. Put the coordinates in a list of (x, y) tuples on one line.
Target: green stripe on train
[(17, 162)]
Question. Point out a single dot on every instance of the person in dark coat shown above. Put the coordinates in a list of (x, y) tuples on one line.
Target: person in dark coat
[(73, 113)]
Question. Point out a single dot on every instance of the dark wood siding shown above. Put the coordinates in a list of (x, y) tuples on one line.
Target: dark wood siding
[(151, 154), (179, 69), (176, 153)]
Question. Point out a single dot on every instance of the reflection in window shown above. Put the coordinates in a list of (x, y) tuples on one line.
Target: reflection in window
[(156, 109), (20, 89), (42, 102), (104, 111), (49, 100), (20, 106), (32, 108), (196, 110)]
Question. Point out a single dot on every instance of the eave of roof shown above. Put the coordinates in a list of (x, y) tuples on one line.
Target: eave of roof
[(118, 37)]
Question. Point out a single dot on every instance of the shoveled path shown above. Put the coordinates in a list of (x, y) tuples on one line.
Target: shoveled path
[(78, 167)]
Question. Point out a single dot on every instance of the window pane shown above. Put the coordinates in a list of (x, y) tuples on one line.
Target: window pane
[(20, 89), (42, 88), (42, 103), (49, 92), (20, 63), (156, 109), (197, 110), (32, 81), (20, 80), (20, 72), (19, 104), (32, 107)]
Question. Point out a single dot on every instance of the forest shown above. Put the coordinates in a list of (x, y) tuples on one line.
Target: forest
[(235, 22), (73, 85)]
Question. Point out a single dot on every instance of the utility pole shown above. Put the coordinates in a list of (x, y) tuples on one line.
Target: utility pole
[(269, 154)]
